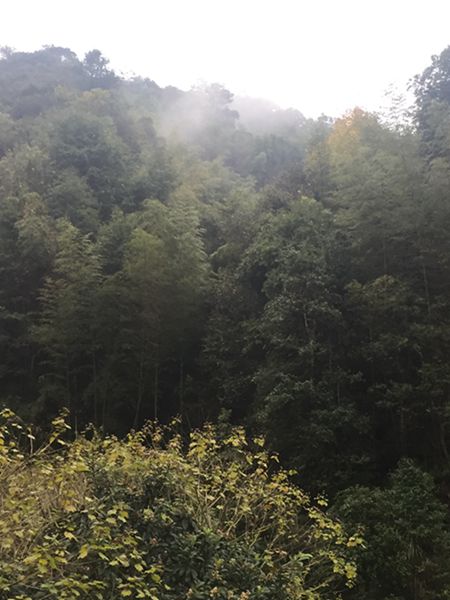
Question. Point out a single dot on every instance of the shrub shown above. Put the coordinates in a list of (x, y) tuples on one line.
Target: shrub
[(154, 517)]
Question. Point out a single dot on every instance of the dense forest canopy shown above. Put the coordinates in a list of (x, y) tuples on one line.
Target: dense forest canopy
[(170, 253)]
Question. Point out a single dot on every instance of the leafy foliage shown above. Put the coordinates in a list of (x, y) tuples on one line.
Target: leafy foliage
[(407, 545), (191, 253), (150, 518)]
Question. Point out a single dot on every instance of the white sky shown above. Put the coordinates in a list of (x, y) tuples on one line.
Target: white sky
[(320, 56)]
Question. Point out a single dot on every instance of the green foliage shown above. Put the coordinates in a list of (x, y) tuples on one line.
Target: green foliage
[(407, 540), (29, 81), (148, 517), (190, 253), (90, 145)]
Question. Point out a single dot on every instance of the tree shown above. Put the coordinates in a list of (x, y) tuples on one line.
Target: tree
[(26, 253), (67, 327), (432, 91), (29, 81), (407, 541), (96, 67), (90, 146), (154, 305)]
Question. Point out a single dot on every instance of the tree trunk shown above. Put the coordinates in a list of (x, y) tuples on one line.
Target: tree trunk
[(94, 376), (425, 284), (384, 257), (140, 390), (69, 395), (155, 390), (181, 386)]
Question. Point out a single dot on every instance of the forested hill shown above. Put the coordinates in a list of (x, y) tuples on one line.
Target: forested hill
[(166, 252)]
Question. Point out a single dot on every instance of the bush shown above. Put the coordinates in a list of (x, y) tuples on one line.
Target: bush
[(405, 527), (152, 517)]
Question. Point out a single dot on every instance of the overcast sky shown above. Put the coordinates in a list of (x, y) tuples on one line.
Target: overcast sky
[(320, 56)]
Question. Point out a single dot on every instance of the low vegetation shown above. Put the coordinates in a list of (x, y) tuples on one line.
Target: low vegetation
[(152, 517)]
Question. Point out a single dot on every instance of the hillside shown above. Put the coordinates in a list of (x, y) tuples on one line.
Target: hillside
[(167, 253)]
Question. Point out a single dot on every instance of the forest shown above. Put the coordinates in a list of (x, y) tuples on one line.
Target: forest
[(220, 304)]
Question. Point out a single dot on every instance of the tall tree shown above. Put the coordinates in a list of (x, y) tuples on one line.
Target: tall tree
[(67, 328)]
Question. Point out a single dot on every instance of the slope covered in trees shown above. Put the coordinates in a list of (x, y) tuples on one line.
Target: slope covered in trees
[(162, 255)]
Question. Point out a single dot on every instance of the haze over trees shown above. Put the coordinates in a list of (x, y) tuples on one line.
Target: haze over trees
[(169, 253)]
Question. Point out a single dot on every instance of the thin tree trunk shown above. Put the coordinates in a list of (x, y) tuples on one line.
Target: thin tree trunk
[(425, 283), (94, 375), (402, 430), (105, 396), (69, 395), (372, 371), (443, 442), (441, 432), (155, 390), (76, 402), (181, 386), (140, 390)]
